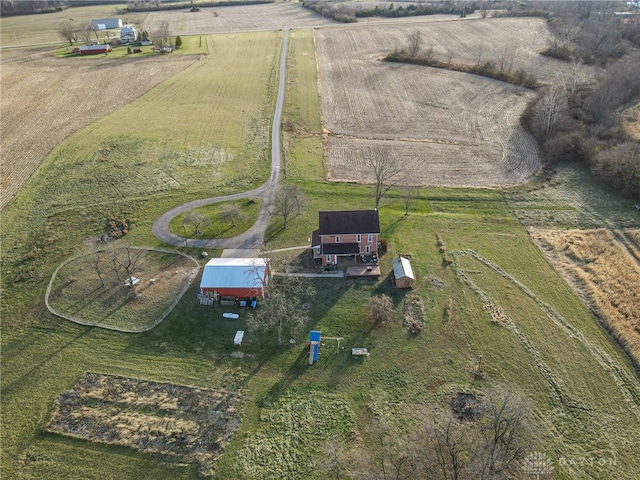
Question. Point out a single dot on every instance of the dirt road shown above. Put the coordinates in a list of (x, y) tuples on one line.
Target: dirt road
[(251, 240)]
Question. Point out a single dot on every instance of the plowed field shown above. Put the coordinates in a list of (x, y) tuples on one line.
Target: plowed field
[(45, 99), (448, 128), (272, 16)]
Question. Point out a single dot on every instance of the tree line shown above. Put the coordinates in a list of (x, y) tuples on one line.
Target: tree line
[(349, 14), (578, 117), (488, 435)]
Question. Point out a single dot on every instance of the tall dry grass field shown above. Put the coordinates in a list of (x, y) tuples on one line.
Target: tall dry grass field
[(605, 273)]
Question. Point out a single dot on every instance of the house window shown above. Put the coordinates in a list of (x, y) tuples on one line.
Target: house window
[(367, 249), (358, 238), (370, 238), (337, 238), (328, 258)]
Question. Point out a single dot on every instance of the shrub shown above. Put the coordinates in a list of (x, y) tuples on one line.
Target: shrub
[(380, 309), (117, 228)]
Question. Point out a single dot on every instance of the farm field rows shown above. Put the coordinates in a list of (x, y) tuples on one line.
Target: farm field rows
[(449, 128), (272, 16)]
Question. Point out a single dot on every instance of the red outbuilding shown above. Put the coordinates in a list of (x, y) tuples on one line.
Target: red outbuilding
[(95, 49), (241, 278)]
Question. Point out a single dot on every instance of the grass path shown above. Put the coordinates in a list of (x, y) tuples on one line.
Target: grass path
[(628, 385)]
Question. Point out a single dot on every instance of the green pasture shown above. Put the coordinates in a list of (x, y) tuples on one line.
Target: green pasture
[(195, 44), (570, 197), (42, 28), (193, 137), (218, 227), (203, 133)]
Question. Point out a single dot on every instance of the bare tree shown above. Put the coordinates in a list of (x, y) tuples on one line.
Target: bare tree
[(446, 442), (386, 171), (414, 43), (97, 263), (84, 34), (504, 432), (505, 55), (410, 197), (281, 311), (380, 309), (125, 259), (574, 81), (289, 200), (95, 258), (232, 213), (67, 31), (390, 455), (197, 220), (619, 167), (161, 35), (550, 111)]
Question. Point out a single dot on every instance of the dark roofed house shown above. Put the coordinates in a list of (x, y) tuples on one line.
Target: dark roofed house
[(351, 233)]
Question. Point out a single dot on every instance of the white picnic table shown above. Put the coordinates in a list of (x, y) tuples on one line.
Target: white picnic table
[(359, 352)]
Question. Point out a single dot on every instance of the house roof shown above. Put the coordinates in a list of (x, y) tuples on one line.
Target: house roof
[(105, 23), (315, 238), (348, 222), (235, 273), (340, 248), (402, 268)]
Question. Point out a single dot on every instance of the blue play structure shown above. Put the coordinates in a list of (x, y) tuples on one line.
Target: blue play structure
[(314, 346)]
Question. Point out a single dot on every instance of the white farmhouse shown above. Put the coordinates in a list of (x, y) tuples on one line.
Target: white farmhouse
[(128, 34)]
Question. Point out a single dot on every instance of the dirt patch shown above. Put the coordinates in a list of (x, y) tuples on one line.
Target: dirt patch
[(189, 424), (45, 99), (467, 406), (94, 289), (413, 312)]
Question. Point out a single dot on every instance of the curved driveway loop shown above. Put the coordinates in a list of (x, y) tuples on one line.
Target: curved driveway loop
[(253, 237)]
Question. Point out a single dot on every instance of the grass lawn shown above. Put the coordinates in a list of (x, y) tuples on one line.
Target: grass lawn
[(91, 290), (219, 228), (499, 298)]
